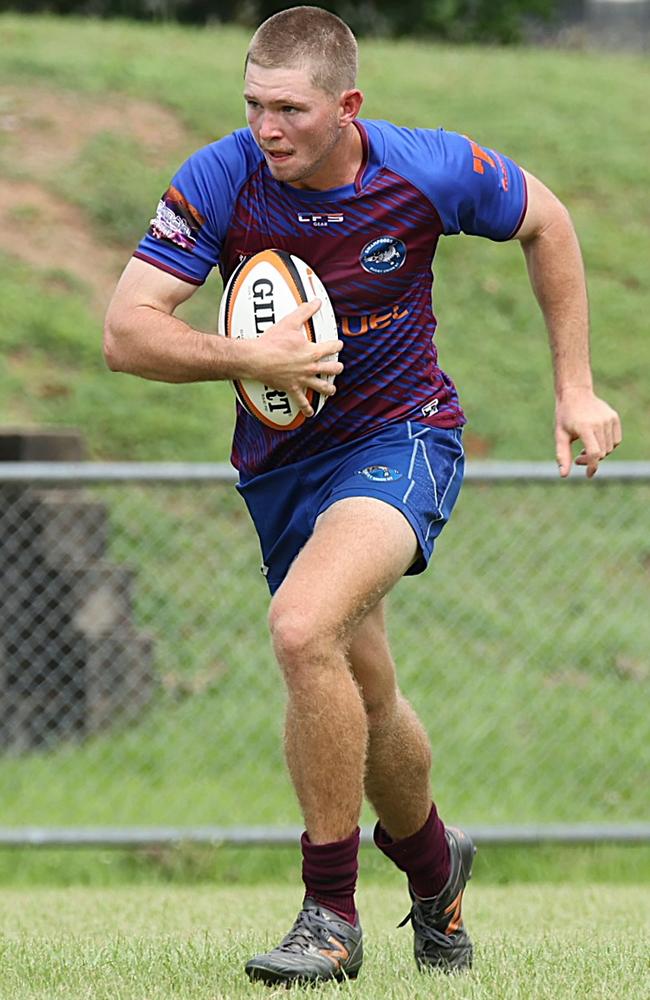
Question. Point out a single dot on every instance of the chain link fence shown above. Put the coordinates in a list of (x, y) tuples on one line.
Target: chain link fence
[(138, 687)]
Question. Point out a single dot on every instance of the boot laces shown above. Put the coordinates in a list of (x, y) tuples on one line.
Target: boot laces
[(307, 930), (425, 930)]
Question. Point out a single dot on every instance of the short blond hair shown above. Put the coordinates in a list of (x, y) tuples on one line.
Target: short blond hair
[(309, 38)]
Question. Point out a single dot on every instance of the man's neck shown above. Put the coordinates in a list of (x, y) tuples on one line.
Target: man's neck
[(342, 165)]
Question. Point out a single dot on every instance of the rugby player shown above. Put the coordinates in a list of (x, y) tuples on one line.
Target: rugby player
[(353, 499)]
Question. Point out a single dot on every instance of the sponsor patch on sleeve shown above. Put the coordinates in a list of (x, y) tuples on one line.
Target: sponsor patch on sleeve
[(176, 221)]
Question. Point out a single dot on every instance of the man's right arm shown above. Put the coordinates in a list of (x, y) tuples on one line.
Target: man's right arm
[(143, 337)]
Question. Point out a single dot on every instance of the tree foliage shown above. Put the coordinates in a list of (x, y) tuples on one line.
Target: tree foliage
[(455, 20)]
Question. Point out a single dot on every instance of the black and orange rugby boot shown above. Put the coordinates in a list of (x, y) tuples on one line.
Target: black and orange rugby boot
[(320, 946), (441, 940)]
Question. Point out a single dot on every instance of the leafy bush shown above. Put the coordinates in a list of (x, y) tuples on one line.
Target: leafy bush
[(456, 20), (464, 20)]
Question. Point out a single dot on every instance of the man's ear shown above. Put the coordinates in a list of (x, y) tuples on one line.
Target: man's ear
[(349, 106)]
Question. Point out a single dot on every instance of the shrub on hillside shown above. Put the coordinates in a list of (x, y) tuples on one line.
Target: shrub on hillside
[(456, 20)]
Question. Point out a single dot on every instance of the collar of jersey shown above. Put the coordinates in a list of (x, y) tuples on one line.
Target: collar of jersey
[(369, 166)]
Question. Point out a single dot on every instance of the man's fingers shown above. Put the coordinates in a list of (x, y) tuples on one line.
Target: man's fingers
[(592, 452), (329, 367), (598, 443), (563, 451), (302, 313), (611, 435), (617, 431), (306, 310), (316, 384), (328, 347), (608, 439), (590, 463), (601, 443), (301, 399), (322, 386), (595, 424)]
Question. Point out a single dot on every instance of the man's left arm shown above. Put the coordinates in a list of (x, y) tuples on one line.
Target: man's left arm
[(557, 277)]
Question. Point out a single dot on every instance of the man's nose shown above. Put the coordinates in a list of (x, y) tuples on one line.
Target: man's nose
[(269, 127)]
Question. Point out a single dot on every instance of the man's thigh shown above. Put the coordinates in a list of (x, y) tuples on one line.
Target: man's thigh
[(416, 470), (359, 549)]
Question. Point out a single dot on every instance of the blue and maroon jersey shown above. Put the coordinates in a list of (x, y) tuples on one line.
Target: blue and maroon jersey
[(372, 244)]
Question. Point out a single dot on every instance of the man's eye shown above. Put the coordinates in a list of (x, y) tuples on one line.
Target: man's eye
[(288, 109)]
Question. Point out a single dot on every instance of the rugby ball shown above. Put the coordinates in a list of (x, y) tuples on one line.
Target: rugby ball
[(262, 290)]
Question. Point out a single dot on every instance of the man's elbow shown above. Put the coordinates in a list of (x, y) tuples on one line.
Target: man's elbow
[(113, 345)]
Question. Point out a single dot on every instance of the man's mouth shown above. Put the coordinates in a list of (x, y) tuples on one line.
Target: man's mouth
[(277, 155)]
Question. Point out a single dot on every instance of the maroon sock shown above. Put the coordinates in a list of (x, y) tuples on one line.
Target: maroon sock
[(329, 872), (424, 856)]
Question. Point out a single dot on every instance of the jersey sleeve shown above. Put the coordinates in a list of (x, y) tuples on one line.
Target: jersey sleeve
[(476, 190), (186, 234)]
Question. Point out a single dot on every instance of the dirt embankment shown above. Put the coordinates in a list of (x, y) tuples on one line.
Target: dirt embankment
[(41, 134)]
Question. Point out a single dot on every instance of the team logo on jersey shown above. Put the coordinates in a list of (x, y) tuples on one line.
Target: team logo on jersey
[(176, 221), (320, 220), (383, 255), (356, 326), (380, 473)]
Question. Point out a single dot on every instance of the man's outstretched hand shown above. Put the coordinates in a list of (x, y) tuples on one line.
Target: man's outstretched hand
[(582, 416)]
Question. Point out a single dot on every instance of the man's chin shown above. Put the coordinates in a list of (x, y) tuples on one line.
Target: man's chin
[(285, 172), (284, 166)]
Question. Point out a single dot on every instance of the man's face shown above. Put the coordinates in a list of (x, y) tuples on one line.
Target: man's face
[(295, 124)]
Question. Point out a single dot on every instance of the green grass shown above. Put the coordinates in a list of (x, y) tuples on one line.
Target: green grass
[(542, 943), (106, 166), (49, 339), (226, 865)]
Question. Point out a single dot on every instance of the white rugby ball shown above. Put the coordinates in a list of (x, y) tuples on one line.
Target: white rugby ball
[(262, 290)]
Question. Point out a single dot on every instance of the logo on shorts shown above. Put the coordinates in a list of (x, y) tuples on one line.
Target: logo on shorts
[(383, 255), (380, 473)]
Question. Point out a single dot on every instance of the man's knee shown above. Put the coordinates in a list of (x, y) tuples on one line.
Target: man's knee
[(380, 706), (300, 639)]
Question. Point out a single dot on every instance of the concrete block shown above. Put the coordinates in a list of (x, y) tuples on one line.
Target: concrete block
[(118, 678), (67, 525), (35, 444)]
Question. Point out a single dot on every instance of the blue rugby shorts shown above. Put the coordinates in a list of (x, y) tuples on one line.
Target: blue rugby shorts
[(413, 467)]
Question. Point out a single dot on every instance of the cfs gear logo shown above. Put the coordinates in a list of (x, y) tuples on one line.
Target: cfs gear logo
[(383, 255), (380, 473), (320, 220)]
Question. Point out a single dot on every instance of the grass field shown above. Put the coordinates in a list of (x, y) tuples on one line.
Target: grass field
[(184, 864), (532, 943), (94, 118)]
